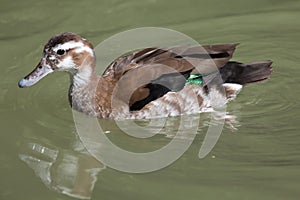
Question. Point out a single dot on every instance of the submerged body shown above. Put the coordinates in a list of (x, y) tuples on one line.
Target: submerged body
[(150, 83)]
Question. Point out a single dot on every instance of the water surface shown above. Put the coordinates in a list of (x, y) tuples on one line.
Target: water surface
[(41, 156)]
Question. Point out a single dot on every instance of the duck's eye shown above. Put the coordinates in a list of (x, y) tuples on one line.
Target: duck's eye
[(61, 52)]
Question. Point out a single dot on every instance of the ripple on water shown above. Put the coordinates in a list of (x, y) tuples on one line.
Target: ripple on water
[(45, 103), (271, 100)]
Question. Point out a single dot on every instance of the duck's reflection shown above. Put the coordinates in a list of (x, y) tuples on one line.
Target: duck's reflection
[(65, 171), (74, 171)]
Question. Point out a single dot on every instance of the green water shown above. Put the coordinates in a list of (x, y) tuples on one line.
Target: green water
[(41, 155)]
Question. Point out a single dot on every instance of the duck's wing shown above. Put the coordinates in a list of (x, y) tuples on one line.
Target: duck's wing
[(180, 58), (150, 73)]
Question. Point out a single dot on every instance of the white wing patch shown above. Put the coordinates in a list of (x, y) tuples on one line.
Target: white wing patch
[(234, 89)]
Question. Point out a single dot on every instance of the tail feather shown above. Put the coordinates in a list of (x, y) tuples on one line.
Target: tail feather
[(240, 73)]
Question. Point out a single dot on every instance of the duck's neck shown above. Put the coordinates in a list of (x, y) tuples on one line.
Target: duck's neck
[(90, 93), (82, 90), (83, 78)]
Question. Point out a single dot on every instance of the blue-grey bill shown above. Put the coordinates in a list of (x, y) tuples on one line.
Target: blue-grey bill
[(37, 74)]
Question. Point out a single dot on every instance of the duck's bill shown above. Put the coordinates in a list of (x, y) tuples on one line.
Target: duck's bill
[(37, 74)]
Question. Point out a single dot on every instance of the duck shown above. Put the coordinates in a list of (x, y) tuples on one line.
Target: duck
[(147, 83)]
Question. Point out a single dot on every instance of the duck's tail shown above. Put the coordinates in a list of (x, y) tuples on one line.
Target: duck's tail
[(240, 73)]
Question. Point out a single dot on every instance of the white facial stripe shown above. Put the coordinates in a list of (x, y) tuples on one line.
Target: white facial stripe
[(84, 48), (68, 45), (80, 47)]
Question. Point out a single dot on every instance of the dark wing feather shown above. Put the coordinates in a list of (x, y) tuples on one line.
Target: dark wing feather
[(157, 71), (241, 73)]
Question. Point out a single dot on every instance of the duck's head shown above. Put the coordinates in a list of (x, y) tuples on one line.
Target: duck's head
[(63, 52)]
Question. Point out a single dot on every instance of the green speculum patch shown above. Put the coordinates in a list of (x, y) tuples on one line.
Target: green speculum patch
[(195, 79)]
